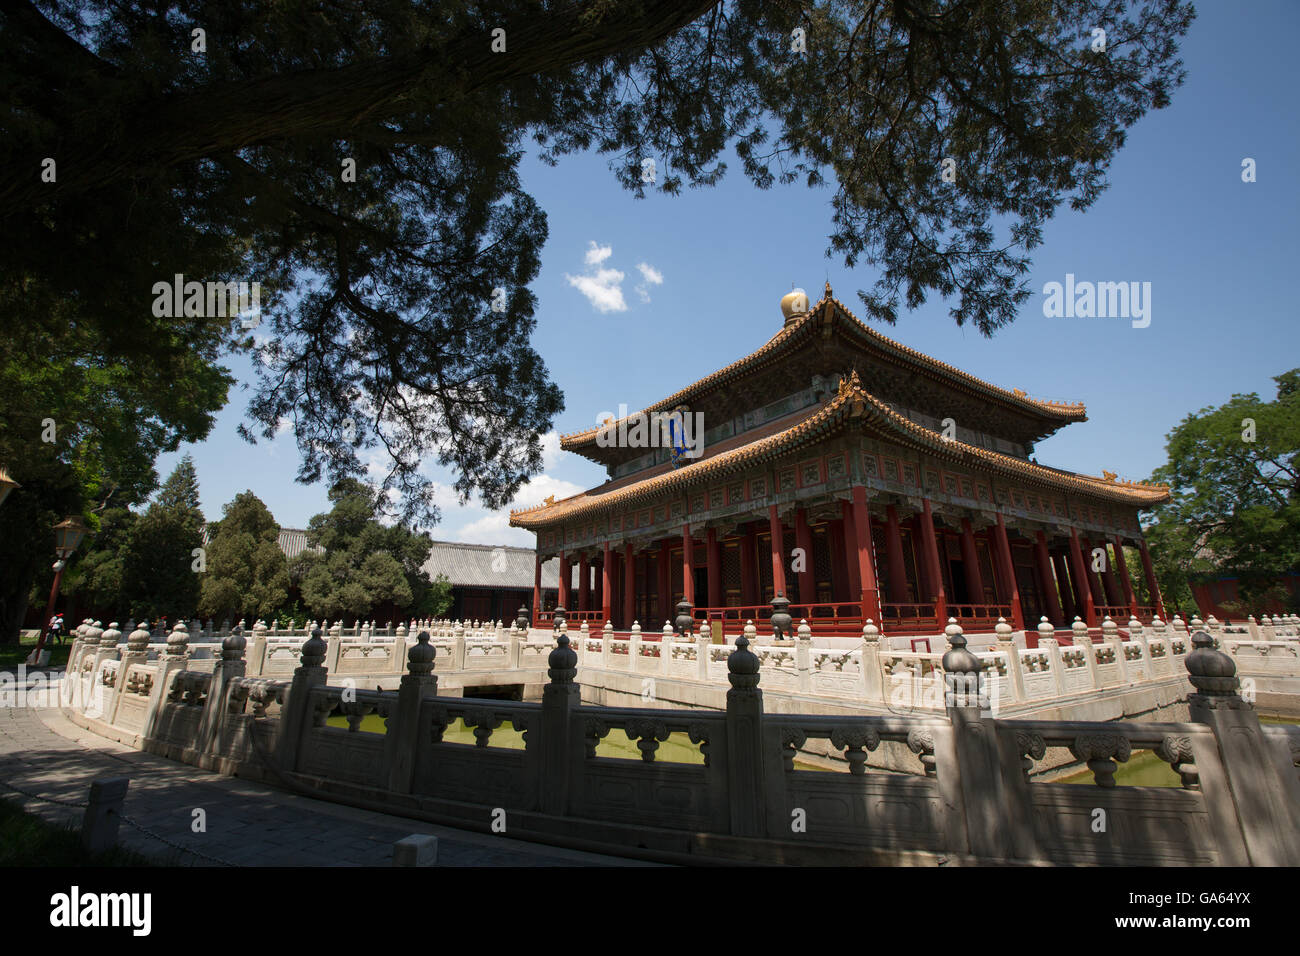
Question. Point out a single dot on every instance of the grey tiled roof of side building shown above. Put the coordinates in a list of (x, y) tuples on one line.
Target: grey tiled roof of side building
[(489, 566)]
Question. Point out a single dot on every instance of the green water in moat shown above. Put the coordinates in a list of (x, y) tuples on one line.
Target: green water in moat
[(1145, 769), (676, 749)]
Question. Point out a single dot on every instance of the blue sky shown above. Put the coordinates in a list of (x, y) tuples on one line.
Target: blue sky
[(1219, 254)]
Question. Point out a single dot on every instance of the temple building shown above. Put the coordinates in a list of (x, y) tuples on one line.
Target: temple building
[(856, 477)]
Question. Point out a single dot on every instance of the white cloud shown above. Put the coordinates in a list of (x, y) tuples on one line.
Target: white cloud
[(652, 276), (650, 273), (598, 254), (603, 289), (493, 527)]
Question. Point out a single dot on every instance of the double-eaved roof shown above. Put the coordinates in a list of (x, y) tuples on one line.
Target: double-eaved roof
[(830, 315), (851, 406)]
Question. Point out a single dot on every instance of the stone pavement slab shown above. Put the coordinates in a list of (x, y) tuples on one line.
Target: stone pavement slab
[(247, 823)]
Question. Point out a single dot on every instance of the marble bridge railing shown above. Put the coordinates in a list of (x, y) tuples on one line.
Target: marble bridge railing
[(956, 786), (874, 670)]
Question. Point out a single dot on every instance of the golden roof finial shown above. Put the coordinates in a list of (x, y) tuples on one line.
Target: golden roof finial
[(829, 294), (1019, 392), (549, 500), (1108, 475)]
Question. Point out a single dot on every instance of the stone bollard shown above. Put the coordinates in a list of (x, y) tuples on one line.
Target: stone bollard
[(418, 849), (103, 813)]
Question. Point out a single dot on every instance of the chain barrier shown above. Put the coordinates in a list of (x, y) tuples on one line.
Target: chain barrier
[(175, 846), (37, 796), (81, 805)]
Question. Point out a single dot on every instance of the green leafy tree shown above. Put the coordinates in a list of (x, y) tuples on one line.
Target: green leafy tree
[(83, 424), (1234, 506), (158, 574), (363, 563), (389, 330), (247, 573)]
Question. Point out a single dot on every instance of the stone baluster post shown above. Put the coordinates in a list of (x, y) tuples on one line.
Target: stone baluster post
[(458, 647), (562, 746), (216, 706), (335, 646), (1110, 635), (1267, 632), (703, 651), (296, 714), (1081, 640), (803, 656), (606, 635), (137, 652), (403, 740), (634, 647), (258, 663), (515, 648), (976, 771), (1049, 645), (1252, 628), (873, 681), (745, 772), (1006, 645), (1262, 781), (667, 636)]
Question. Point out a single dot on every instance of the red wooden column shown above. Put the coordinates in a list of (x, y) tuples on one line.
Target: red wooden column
[(537, 586), (713, 554), (894, 557), (1067, 590), (778, 547), (1094, 582), (688, 565), (970, 563), (803, 539), (1079, 572), (869, 590), (584, 583), (1114, 596), (1126, 582), (749, 588), (563, 599), (1009, 575), (1153, 586), (1044, 562), (933, 574), (851, 552), (629, 586), (663, 607), (607, 584)]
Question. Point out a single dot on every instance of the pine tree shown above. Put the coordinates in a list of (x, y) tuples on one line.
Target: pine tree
[(247, 574), (160, 575)]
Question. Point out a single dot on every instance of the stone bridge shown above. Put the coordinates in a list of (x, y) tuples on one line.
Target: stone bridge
[(954, 786)]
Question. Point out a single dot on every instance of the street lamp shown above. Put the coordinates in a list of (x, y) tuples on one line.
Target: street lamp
[(67, 535), (7, 485)]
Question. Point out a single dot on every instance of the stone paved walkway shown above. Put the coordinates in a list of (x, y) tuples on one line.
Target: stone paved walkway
[(248, 823)]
